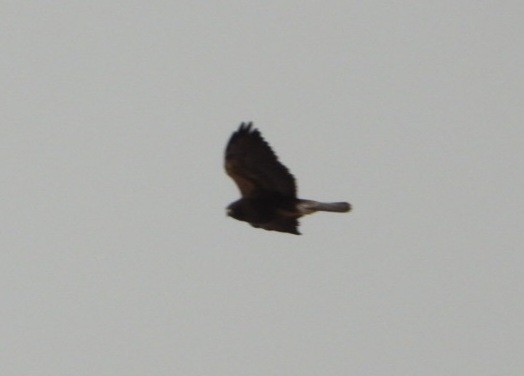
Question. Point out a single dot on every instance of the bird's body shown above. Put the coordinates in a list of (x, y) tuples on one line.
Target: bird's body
[(268, 189)]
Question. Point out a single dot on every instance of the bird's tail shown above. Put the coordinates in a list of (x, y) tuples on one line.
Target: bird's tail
[(310, 206)]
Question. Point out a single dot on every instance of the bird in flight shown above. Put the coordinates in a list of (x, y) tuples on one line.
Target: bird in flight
[(269, 193)]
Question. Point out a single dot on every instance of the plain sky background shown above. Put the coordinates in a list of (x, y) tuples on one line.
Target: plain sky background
[(116, 254)]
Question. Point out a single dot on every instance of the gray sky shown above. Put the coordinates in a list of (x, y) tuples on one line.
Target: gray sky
[(116, 254)]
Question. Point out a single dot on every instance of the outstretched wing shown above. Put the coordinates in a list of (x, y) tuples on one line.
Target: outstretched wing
[(254, 167)]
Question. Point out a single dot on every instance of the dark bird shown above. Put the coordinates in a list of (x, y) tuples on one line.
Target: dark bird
[(269, 193)]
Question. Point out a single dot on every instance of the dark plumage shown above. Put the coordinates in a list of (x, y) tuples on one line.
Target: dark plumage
[(269, 194)]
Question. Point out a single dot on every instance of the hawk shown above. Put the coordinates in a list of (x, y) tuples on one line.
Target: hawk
[(269, 192)]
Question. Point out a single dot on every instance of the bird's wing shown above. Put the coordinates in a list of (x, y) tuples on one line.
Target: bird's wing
[(282, 224), (254, 167)]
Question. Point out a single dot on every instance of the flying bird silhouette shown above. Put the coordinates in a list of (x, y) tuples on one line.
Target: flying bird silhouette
[(269, 193)]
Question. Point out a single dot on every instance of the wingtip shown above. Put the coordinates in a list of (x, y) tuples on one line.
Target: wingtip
[(245, 126)]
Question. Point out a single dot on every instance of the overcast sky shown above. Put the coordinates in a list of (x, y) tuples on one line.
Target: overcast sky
[(117, 257)]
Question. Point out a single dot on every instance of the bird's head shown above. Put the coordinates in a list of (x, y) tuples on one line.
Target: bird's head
[(235, 210)]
